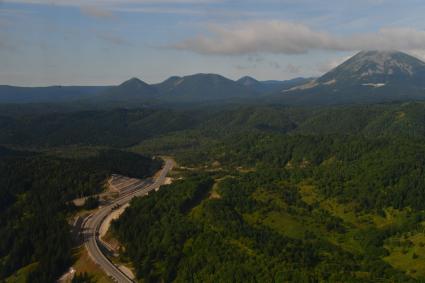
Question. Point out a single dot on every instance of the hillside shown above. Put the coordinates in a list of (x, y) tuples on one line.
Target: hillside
[(367, 77), (118, 127), (329, 194), (122, 127), (35, 205)]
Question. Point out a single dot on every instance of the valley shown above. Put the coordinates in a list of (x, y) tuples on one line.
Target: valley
[(212, 141), (262, 191)]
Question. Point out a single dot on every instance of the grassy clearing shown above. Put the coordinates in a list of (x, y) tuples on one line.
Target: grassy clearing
[(308, 193), (407, 253), (295, 222), (279, 221), (285, 224), (269, 198), (21, 275)]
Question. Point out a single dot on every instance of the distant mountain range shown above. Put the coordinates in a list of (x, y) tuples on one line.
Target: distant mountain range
[(271, 86), (369, 76), (202, 87), (14, 94), (193, 88)]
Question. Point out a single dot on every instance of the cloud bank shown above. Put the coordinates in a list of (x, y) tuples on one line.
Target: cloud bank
[(279, 37), (104, 2)]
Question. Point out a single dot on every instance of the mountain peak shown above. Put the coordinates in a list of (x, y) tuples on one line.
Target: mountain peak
[(375, 67), (134, 82), (368, 76), (133, 89), (248, 81)]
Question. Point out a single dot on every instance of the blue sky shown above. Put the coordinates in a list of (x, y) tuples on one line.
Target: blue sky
[(97, 42)]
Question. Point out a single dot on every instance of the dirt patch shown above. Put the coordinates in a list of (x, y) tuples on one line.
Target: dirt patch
[(168, 181), (108, 220)]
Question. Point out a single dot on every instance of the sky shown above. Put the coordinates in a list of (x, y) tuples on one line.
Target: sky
[(105, 42)]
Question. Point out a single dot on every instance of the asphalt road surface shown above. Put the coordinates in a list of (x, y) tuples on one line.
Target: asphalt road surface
[(94, 221)]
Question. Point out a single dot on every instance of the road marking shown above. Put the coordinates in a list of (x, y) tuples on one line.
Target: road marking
[(91, 236)]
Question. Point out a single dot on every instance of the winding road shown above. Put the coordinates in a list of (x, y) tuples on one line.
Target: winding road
[(93, 222)]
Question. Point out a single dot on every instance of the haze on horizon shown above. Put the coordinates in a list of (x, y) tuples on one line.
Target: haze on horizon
[(104, 42)]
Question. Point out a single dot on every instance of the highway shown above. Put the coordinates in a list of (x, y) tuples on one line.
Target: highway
[(93, 222)]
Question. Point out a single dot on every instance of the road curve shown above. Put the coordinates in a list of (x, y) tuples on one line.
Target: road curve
[(93, 222)]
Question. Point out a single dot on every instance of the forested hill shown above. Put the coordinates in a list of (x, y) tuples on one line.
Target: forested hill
[(124, 127), (345, 182), (258, 227), (118, 127), (35, 190)]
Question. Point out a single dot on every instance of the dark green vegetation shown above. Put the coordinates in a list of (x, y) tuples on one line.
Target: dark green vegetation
[(82, 278), (124, 127), (347, 182), (272, 193), (35, 199), (157, 238), (119, 127), (302, 194), (258, 228), (375, 173)]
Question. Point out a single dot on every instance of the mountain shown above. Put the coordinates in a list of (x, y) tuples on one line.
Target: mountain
[(250, 82), (15, 94), (202, 87), (270, 86), (377, 69), (369, 76), (131, 90)]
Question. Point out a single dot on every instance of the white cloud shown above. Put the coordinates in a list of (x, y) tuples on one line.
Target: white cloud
[(252, 37), (106, 8), (103, 2), (281, 37), (158, 10), (418, 54)]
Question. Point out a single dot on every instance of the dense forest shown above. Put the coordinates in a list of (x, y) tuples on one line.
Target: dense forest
[(186, 127), (349, 180), (36, 190), (185, 234), (268, 193)]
